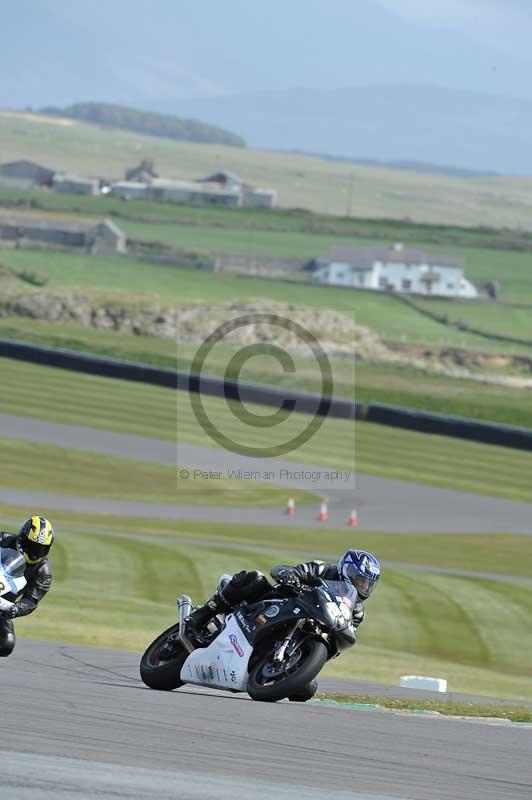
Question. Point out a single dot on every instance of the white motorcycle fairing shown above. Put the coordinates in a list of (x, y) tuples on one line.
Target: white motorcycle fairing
[(224, 663), (12, 580)]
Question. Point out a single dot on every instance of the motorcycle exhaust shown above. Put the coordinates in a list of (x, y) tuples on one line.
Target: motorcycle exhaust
[(184, 604)]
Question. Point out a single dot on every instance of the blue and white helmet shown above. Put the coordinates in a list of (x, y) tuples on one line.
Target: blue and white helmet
[(361, 569)]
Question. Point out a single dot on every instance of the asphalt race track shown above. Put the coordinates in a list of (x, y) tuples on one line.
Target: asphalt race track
[(88, 728), (78, 724), (383, 504)]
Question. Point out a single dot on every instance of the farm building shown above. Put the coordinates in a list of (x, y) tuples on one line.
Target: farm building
[(56, 233), (25, 175), (128, 190), (220, 188), (73, 184), (394, 269), (192, 192), (250, 196)]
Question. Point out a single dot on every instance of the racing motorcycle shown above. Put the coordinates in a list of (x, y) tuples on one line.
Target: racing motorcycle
[(271, 649), (12, 580)]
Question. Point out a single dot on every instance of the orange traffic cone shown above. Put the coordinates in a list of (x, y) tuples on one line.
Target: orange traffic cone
[(324, 512), (352, 522), (291, 507)]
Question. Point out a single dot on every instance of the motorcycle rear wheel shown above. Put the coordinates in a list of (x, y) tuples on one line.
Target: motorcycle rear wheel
[(290, 679), (163, 675)]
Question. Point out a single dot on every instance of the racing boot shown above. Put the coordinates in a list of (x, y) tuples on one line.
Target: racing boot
[(195, 622)]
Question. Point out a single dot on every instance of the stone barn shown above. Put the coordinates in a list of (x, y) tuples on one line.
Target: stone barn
[(25, 174), (18, 230), (73, 184)]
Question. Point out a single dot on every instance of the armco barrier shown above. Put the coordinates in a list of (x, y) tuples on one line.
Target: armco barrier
[(88, 363), (172, 379), (445, 425), (395, 416)]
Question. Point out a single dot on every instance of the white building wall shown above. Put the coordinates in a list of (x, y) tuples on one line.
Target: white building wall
[(401, 277), (397, 277), (339, 274)]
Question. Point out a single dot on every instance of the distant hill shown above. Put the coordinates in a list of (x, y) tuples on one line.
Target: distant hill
[(428, 124), (147, 122), (407, 166)]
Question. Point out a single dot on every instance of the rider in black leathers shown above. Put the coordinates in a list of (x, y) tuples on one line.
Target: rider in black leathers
[(34, 539), (253, 586)]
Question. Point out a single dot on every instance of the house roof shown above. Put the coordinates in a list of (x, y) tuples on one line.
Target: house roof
[(221, 176), (365, 257), (68, 177), (55, 223), (26, 162)]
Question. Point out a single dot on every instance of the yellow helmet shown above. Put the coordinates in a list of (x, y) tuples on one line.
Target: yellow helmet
[(35, 539)]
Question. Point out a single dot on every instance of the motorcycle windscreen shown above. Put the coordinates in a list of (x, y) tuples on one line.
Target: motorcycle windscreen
[(12, 567), (344, 598)]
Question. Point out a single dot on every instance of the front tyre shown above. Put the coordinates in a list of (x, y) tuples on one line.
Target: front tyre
[(163, 674), (269, 681)]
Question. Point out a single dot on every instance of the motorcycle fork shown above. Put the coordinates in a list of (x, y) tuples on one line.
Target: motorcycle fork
[(184, 604), (280, 653)]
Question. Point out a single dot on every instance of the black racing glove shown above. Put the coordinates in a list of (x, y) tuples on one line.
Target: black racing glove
[(9, 613), (291, 579)]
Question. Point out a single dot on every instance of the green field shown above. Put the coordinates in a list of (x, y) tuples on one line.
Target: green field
[(281, 220), (386, 314), (500, 320), (301, 182), (374, 449), (90, 475), (432, 623)]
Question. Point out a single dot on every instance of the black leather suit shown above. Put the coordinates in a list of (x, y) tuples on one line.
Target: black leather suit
[(38, 581), (252, 586)]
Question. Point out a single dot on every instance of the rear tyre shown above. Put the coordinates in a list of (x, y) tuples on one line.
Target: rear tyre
[(163, 675), (270, 682)]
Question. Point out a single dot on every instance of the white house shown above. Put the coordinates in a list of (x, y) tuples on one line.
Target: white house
[(394, 269)]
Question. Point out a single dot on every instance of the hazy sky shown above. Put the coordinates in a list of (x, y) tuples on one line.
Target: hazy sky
[(505, 24), (62, 50), (167, 55)]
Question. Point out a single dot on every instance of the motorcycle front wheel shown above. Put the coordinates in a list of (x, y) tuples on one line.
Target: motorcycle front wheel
[(269, 681), (163, 674)]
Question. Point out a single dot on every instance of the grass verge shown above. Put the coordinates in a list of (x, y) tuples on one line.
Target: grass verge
[(366, 382), (445, 707), (497, 553), (90, 475), (377, 450)]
